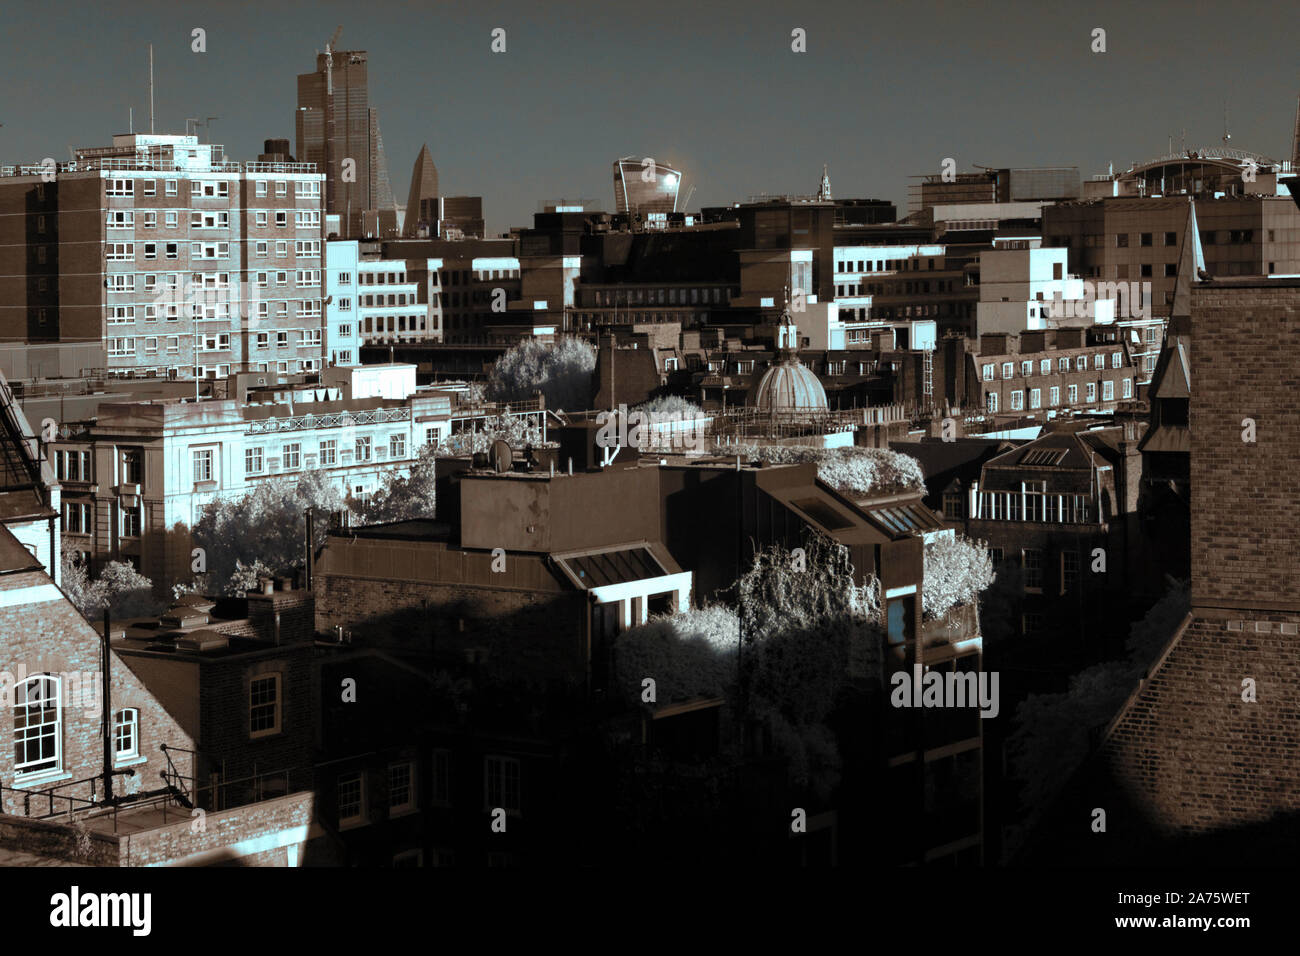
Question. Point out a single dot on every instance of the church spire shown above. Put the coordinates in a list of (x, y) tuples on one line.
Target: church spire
[(824, 191)]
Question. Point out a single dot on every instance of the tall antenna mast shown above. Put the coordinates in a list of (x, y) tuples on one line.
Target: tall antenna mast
[(1226, 135), (151, 129), (1295, 139)]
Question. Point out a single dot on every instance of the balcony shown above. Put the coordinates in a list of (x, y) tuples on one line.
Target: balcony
[(958, 624)]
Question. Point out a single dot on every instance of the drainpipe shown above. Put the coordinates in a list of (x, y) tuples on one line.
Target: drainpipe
[(106, 709)]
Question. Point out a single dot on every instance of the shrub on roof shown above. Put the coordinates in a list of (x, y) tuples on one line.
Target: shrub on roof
[(852, 471)]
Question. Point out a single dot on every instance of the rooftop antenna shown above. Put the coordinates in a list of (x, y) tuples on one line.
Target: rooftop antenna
[(151, 89), (188, 121), (1226, 135)]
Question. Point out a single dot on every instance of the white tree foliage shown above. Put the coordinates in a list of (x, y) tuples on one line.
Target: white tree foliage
[(671, 405), (120, 587), (808, 636), (561, 371), (266, 525), (852, 471), (957, 570)]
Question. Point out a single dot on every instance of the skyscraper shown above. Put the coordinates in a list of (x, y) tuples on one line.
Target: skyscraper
[(644, 186), (335, 125), (424, 186)]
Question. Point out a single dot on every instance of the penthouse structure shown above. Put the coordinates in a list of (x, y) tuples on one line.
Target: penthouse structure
[(156, 256)]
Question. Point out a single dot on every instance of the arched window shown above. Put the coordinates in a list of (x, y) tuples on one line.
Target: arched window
[(38, 731)]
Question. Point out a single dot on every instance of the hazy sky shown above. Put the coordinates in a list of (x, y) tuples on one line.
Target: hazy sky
[(882, 93)]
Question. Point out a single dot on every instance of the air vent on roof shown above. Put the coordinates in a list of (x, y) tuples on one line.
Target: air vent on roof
[(202, 641)]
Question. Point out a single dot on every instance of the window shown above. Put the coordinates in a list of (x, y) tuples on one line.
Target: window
[(126, 734), (264, 706), (76, 516), (1026, 368), (1032, 559), (121, 219), (1045, 367), (150, 187), (253, 461), (363, 449), (1063, 365), (1121, 240), (282, 187), (401, 788), (131, 522), (259, 187), (952, 505), (119, 251), (261, 219), (991, 401), (502, 783), (171, 250), (202, 458), (1069, 571), (1008, 369), (1054, 397), (329, 451), (345, 331), (1171, 238), (988, 373), (293, 455), (282, 247), (1072, 394), (119, 187), (261, 248), (1127, 390), (282, 218), (38, 730), (345, 278), (1107, 391), (352, 800), (132, 466), (1035, 398), (397, 446), (1017, 400), (1092, 392)]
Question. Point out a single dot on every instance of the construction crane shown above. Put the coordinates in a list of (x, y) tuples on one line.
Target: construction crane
[(329, 60)]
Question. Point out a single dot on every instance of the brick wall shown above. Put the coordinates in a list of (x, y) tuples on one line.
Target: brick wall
[(50, 636), (1244, 496), (538, 636), (1190, 752)]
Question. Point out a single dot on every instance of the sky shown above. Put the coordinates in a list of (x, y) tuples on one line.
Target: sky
[(883, 92)]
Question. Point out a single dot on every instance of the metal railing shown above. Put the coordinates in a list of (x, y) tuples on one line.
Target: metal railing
[(329, 420), (136, 164)]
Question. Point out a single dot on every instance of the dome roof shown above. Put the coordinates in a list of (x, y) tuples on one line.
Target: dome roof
[(788, 386)]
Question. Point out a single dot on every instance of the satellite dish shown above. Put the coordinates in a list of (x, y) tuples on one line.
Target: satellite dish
[(502, 456)]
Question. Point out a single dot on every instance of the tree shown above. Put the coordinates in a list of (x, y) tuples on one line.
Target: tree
[(560, 370), (516, 430), (402, 497), (120, 587), (809, 633), (265, 525), (957, 570)]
